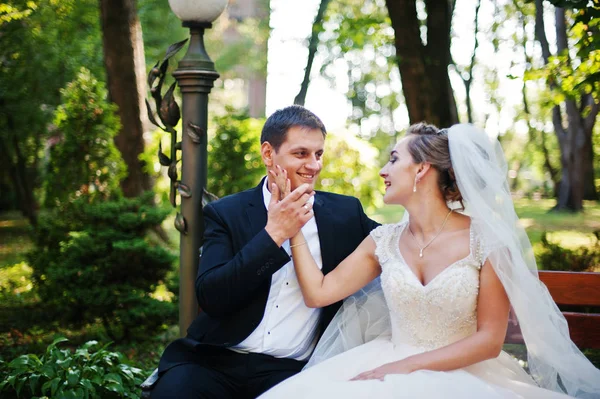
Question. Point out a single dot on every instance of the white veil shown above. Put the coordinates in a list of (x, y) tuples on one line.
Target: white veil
[(554, 360)]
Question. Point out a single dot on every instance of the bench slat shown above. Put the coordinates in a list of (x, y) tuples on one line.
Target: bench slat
[(584, 329), (568, 288)]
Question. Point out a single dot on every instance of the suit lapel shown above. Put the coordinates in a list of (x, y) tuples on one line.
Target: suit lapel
[(256, 211), (325, 226)]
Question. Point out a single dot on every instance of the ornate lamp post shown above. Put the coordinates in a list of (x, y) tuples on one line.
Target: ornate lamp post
[(195, 75)]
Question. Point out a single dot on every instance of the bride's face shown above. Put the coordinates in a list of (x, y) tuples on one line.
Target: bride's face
[(399, 174)]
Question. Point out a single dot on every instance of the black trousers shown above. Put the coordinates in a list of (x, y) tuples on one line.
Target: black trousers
[(214, 372)]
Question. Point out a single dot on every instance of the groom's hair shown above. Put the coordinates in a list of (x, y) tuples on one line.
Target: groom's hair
[(429, 144), (277, 125)]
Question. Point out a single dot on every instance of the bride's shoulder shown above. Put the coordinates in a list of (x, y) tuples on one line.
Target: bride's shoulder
[(387, 230)]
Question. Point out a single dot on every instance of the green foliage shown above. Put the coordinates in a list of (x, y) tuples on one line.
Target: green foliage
[(88, 372), (10, 13), (578, 72), (92, 261), (234, 160), (44, 44), (555, 257), (84, 159), (358, 34), (351, 168), (160, 27)]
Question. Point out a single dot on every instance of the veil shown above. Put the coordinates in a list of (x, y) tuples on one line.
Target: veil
[(554, 360)]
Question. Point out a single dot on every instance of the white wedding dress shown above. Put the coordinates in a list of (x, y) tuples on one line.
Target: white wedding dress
[(422, 318)]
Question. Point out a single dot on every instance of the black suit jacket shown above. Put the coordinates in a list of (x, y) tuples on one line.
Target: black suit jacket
[(239, 258)]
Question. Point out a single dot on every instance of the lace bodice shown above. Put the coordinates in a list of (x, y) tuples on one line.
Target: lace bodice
[(434, 315)]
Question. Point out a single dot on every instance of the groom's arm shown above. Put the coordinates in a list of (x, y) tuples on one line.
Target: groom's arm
[(226, 280)]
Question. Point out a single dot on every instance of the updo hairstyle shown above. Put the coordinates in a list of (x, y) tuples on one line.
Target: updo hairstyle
[(429, 144)]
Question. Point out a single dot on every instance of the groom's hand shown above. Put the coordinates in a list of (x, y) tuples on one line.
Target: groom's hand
[(286, 217)]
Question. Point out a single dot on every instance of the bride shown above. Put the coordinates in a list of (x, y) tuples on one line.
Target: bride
[(434, 291)]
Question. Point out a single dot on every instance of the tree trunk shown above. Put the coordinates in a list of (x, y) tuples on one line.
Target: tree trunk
[(533, 132), (589, 180), (576, 154), (313, 42), (424, 67), (125, 75), (19, 173)]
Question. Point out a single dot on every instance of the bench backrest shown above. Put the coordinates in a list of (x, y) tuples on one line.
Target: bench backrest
[(572, 289)]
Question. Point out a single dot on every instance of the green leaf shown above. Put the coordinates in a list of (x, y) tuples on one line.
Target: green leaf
[(126, 372), (34, 381), (89, 344), (87, 384), (64, 363), (71, 394), (113, 377), (19, 385), (54, 385), (73, 377), (55, 343), (114, 387), (49, 371), (21, 362), (11, 380)]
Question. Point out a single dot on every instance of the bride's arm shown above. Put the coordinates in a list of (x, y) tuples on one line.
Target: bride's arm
[(319, 290), (492, 320)]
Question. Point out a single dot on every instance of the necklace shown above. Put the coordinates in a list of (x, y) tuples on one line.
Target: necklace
[(434, 237)]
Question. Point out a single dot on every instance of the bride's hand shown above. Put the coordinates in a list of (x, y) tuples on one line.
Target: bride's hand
[(380, 372), (283, 183)]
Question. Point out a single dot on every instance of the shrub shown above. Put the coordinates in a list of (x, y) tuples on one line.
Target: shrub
[(59, 373), (234, 160), (555, 257), (83, 157), (92, 261)]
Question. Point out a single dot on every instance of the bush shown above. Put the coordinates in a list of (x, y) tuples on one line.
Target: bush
[(234, 160), (350, 168), (60, 373), (92, 261), (83, 157), (555, 257)]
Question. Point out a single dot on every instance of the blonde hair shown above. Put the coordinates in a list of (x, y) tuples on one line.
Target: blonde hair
[(429, 144)]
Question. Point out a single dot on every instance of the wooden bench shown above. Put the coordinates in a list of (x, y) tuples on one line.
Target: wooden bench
[(573, 291)]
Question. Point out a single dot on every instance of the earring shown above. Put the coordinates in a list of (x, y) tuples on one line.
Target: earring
[(415, 185)]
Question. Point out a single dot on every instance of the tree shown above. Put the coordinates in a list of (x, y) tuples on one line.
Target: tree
[(313, 42), (42, 45), (386, 64), (125, 75), (466, 73), (423, 56), (576, 99)]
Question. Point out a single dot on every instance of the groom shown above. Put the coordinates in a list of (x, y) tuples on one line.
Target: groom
[(254, 330)]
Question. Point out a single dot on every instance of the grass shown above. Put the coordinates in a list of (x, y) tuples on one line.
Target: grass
[(23, 328)]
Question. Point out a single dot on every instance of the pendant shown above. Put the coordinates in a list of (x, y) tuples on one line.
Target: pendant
[(421, 253)]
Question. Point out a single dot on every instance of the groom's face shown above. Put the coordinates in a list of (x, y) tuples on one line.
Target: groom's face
[(301, 155)]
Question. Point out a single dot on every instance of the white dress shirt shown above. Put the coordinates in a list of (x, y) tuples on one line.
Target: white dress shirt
[(288, 328)]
